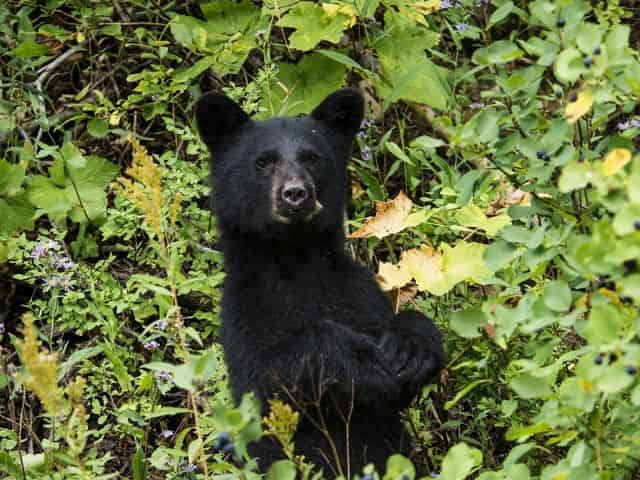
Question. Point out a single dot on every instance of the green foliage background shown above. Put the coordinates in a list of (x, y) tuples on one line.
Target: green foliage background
[(512, 125)]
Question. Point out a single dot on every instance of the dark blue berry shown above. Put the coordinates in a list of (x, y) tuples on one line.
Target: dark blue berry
[(630, 266), (597, 50), (598, 359), (229, 449), (613, 357), (636, 225), (561, 22), (221, 441), (558, 93), (631, 370), (588, 62), (541, 154), (626, 300), (572, 97)]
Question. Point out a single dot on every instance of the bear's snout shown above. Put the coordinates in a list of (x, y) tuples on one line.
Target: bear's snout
[(294, 194)]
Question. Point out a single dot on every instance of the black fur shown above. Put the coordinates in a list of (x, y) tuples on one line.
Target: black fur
[(301, 320)]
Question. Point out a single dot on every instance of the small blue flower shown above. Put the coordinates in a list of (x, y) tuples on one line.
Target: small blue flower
[(360, 134), (161, 325), (1, 328), (165, 434), (365, 123), (53, 245), (444, 4), (39, 251), (162, 375), (634, 123), (462, 27), (621, 126), (152, 345), (366, 153), (476, 105)]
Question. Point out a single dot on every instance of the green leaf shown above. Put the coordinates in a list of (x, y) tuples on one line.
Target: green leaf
[(557, 296), (528, 386), (614, 379), (502, 51), (98, 128), (500, 14), (11, 177), (589, 36), (625, 219), (307, 84), (30, 49), (569, 65), (604, 325), (575, 175), (473, 216), (282, 470), (409, 74), (399, 466), (460, 461), (467, 322), (313, 25)]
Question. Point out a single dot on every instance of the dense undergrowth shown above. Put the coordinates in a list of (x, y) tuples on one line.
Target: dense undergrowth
[(513, 127)]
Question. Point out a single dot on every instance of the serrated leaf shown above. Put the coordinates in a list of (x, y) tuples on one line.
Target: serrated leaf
[(409, 74), (389, 219), (303, 86), (16, 213), (313, 24)]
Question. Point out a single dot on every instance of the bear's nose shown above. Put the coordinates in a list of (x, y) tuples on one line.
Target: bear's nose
[(294, 194)]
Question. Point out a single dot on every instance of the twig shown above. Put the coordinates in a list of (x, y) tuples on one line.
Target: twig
[(48, 69)]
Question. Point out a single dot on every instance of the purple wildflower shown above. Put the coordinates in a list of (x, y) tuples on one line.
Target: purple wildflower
[(39, 251), (190, 468), (621, 126), (152, 345), (366, 153), (462, 27), (53, 245), (365, 123), (634, 123), (161, 325), (165, 434), (444, 4), (476, 105), (1, 328), (162, 375), (360, 134)]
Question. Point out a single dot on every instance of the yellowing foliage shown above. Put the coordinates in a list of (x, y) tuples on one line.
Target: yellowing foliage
[(616, 160), (576, 110), (390, 218)]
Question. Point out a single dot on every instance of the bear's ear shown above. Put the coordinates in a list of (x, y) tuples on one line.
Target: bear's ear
[(342, 111), (218, 116)]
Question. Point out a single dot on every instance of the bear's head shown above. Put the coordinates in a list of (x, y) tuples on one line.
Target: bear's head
[(284, 175)]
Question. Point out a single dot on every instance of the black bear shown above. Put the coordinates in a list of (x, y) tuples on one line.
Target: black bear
[(301, 320)]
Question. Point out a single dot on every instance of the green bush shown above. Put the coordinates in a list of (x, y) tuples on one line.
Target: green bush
[(513, 126)]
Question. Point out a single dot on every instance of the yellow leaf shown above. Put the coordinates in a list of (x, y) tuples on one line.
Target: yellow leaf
[(576, 110), (616, 160), (390, 218), (426, 266), (427, 7), (333, 9), (392, 276)]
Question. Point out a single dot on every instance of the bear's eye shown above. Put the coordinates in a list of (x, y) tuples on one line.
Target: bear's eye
[(264, 161), (312, 158)]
